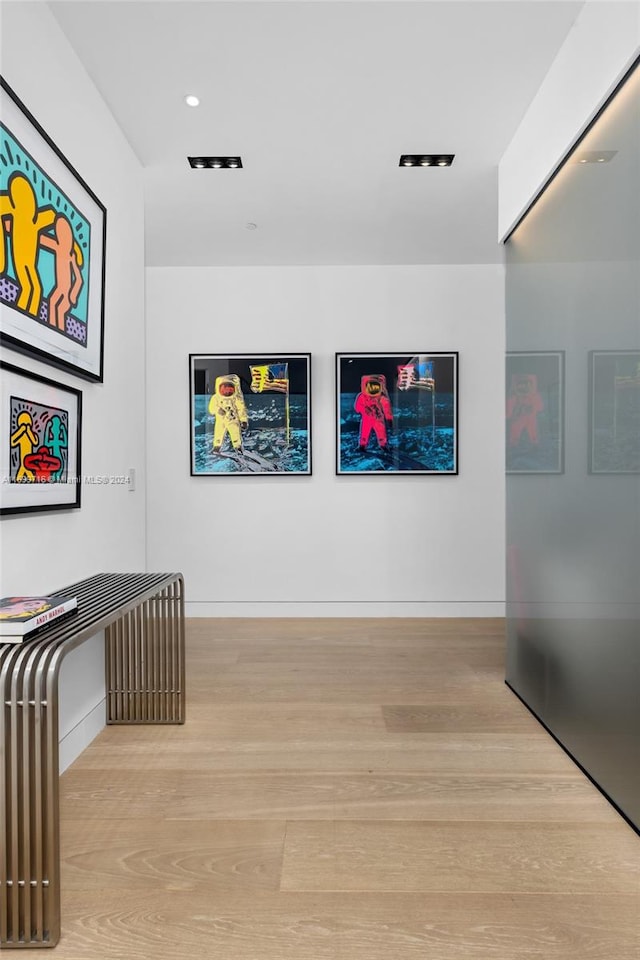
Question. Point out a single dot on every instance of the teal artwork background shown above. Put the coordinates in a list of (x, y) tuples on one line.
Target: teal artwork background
[(15, 159)]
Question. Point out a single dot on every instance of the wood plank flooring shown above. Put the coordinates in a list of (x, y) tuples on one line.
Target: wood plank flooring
[(343, 790)]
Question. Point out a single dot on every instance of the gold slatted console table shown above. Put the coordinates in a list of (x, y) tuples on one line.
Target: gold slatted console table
[(143, 616)]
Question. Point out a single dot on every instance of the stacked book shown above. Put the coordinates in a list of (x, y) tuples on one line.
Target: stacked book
[(21, 616)]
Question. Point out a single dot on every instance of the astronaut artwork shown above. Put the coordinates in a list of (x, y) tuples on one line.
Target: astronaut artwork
[(249, 414), (228, 407), (374, 407), (396, 413), (523, 406)]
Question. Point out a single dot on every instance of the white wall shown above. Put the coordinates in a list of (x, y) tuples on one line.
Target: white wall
[(360, 546), (601, 46), (108, 532)]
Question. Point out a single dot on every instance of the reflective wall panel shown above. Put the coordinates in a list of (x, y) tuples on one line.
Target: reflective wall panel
[(573, 453)]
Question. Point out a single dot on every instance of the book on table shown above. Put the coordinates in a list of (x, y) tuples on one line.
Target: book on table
[(20, 616)]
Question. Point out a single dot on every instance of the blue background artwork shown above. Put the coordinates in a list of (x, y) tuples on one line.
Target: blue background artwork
[(265, 437), (15, 159), (412, 443), (421, 438)]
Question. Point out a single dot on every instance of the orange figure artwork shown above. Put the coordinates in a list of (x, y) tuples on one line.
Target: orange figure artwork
[(68, 277)]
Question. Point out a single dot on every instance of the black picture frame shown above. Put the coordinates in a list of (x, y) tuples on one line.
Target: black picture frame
[(614, 412), (410, 426), (263, 428), (52, 285), (40, 443)]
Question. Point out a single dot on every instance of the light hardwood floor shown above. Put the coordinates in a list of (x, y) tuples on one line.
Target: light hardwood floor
[(343, 790)]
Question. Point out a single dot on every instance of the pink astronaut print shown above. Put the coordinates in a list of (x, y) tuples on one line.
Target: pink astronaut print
[(397, 413), (534, 412), (374, 407)]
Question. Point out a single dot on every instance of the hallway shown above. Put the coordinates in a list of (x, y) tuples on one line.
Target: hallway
[(352, 789)]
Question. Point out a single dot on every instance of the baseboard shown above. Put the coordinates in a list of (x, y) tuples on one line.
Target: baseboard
[(79, 738), (354, 608)]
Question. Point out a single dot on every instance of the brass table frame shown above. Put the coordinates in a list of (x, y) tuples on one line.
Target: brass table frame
[(143, 616)]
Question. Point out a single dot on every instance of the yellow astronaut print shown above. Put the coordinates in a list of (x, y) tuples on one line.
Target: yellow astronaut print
[(228, 407)]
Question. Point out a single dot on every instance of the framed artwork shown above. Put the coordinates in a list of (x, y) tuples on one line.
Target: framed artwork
[(535, 412), (614, 411), (250, 414), (40, 441), (397, 413), (52, 249)]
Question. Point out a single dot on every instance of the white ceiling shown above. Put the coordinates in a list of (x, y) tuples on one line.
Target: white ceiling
[(319, 99)]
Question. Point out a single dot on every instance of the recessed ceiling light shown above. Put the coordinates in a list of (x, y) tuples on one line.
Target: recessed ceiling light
[(215, 163), (593, 156), (426, 159), (191, 100)]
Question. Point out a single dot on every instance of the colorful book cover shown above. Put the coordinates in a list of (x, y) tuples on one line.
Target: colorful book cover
[(20, 615)]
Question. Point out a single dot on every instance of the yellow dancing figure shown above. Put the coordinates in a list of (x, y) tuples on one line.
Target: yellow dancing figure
[(228, 407), (21, 219), (26, 440)]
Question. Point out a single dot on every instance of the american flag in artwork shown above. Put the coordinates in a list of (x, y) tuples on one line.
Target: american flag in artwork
[(272, 376), (416, 375)]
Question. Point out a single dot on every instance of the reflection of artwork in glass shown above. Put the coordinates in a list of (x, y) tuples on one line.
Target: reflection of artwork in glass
[(534, 412), (615, 412), (250, 414), (39, 443), (397, 413)]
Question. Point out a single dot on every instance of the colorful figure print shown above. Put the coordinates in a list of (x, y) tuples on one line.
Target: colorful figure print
[(55, 438), (228, 407), (44, 245), (24, 223), (250, 414), (68, 261), (524, 403), (43, 464), (25, 440), (39, 442), (408, 401), (374, 407)]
